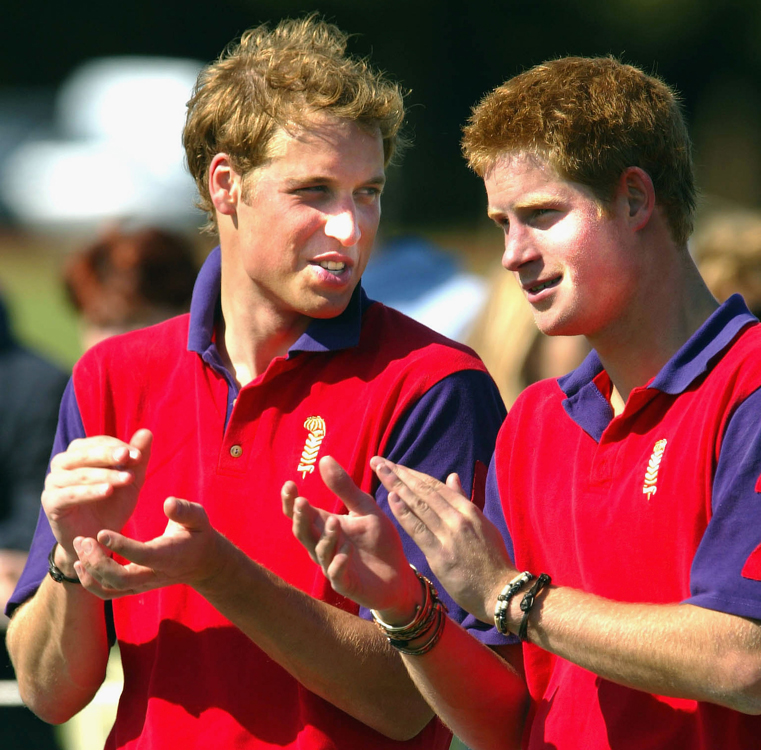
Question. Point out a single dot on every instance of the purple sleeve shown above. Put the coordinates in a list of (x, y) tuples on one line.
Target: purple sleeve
[(494, 512), (69, 427), (452, 428), (726, 570)]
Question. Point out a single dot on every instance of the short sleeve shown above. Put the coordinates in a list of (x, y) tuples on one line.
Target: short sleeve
[(69, 427), (452, 428), (726, 570)]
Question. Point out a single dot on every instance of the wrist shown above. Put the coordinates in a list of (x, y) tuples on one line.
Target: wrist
[(504, 597), (61, 565), (408, 603), (221, 567), (422, 633)]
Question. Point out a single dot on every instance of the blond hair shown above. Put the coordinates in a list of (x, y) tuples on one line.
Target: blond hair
[(279, 78)]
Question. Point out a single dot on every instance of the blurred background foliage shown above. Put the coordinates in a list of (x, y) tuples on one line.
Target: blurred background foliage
[(447, 54)]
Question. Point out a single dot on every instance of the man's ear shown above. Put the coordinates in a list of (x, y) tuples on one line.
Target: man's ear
[(224, 185), (638, 193)]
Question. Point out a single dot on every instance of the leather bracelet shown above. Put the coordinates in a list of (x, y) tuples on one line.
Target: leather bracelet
[(423, 614), (429, 620), (439, 619), (55, 572), (503, 600), (528, 602)]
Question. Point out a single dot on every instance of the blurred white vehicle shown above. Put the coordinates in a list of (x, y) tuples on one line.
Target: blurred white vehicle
[(117, 153)]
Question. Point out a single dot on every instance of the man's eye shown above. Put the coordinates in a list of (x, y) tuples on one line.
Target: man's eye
[(370, 192)]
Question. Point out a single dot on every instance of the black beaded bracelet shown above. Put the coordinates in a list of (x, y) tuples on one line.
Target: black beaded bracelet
[(528, 602), (55, 572)]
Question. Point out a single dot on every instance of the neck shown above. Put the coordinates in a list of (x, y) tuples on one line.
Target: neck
[(670, 311), (254, 329), (249, 343)]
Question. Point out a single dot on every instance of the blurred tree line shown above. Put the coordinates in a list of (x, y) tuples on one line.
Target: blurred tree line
[(447, 53)]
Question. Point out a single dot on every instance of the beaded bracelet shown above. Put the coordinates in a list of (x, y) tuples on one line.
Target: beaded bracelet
[(528, 602), (503, 600), (429, 617)]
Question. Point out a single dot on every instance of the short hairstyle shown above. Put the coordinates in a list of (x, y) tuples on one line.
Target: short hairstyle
[(590, 119), (279, 78), (126, 279)]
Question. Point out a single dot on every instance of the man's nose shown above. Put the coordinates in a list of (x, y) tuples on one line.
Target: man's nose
[(344, 227), (518, 250)]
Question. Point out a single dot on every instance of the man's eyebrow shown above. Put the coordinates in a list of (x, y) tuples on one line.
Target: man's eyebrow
[(379, 179)]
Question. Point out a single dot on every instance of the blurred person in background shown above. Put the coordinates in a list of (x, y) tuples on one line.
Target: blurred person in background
[(128, 279), (512, 347), (727, 249), (30, 394), (182, 435)]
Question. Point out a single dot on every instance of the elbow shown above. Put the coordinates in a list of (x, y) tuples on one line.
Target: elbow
[(402, 731), (52, 708), (742, 686)]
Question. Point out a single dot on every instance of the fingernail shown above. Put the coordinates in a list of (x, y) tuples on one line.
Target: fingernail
[(77, 544), (105, 540), (87, 546), (383, 469), (134, 454)]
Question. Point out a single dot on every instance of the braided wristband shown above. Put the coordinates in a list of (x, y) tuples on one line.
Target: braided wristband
[(528, 602), (55, 572), (503, 600)]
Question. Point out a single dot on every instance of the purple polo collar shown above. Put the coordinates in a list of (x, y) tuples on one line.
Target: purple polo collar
[(591, 410), (341, 332)]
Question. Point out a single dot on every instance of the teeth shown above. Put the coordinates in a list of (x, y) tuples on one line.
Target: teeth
[(331, 265), (536, 289)]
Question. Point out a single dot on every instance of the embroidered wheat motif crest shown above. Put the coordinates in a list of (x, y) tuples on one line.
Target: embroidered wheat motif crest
[(651, 475), (316, 427)]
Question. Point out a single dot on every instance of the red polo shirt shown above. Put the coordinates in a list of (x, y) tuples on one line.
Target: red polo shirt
[(659, 504), (368, 382)]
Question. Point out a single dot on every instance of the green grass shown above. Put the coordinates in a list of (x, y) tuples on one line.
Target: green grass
[(40, 314)]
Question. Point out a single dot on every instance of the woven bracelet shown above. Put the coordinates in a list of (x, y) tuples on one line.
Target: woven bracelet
[(503, 600), (528, 602)]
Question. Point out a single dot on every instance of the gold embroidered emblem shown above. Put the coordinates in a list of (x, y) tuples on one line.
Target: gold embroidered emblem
[(651, 475), (316, 427)]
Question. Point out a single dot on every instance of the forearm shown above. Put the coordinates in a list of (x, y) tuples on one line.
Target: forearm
[(59, 647), (677, 650), (340, 657), (479, 695)]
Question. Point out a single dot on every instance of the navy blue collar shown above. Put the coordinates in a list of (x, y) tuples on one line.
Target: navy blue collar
[(322, 335), (591, 410)]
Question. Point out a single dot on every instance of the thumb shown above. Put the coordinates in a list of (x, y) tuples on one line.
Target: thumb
[(191, 516), (142, 440), (338, 481), (454, 483)]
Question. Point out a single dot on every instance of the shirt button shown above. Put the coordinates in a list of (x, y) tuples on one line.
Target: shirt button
[(236, 451)]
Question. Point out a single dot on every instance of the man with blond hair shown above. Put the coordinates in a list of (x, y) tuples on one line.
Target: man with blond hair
[(173, 443), (628, 490)]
